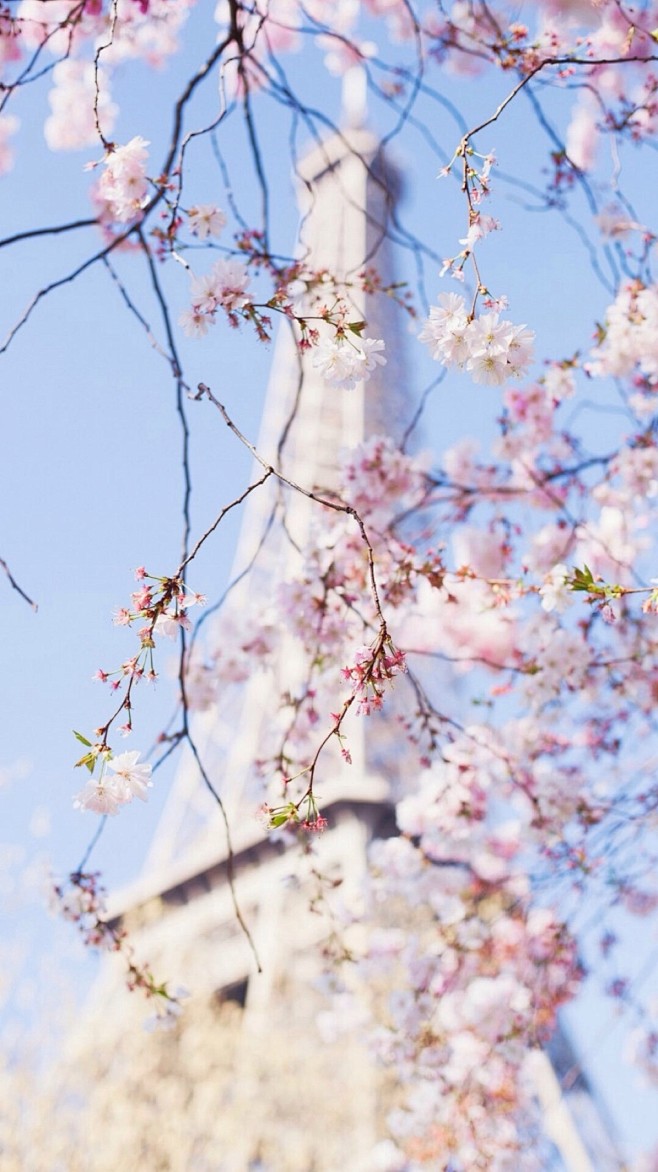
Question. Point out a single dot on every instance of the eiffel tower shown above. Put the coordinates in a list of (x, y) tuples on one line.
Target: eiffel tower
[(180, 914)]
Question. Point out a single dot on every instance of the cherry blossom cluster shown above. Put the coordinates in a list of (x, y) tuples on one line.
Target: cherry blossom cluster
[(477, 609), (381, 482), (491, 350), (123, 185), (82, 110), (303, 815), (502, 598), (504, 601), (325, 611), (518, 583), (465, 40), (344, 359), (344, 362), (160, 605), (81, 901), (462, 995), (628, 339), (223, 287), (370, 673), (476, 186), (120, 779)]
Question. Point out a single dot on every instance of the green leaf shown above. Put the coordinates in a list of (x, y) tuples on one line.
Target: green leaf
[(357, 327), (89, 760), (83, 740), (584, 580)]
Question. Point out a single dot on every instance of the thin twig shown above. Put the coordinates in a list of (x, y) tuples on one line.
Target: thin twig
[(14, 584)]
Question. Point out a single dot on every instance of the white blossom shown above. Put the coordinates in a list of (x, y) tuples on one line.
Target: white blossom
[(556, 594), (206, 220), (129, 777), (491, 350), (345, 363)]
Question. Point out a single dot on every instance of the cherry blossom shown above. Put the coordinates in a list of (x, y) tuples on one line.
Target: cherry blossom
[(224, 286), (123, 184), (106, 795), (555, 593), (72, 123), (205, 220), (345, 362), (169, 625), (129, 777), (101, 797), (629, 337), (488, 606), (489, 349)]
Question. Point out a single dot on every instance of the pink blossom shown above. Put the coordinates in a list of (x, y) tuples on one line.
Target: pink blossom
[(556, 593), (491, 350), (101, 797), (381, 481), (10, 39), (206, 219), (195, 322), (169, 624), (130, 779), (123, 184), (224, 286), (345, 362), (72, 123), (489, 368)]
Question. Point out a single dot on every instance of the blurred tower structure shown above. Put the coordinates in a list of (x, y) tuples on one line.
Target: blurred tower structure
[(298, 1104)]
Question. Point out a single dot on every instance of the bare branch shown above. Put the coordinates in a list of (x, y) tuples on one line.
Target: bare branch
[(15, 586)]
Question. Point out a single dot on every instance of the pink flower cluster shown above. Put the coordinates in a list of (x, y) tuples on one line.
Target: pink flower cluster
[(71, 32), (381, 482), (477, 977), (630, 337), (491, 350), (127, 779), (373, 668), (81, 901), (161, 604), (72, 122), (223, 287), (345, 362), (275, 26), (206, 219), (123, 185)]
